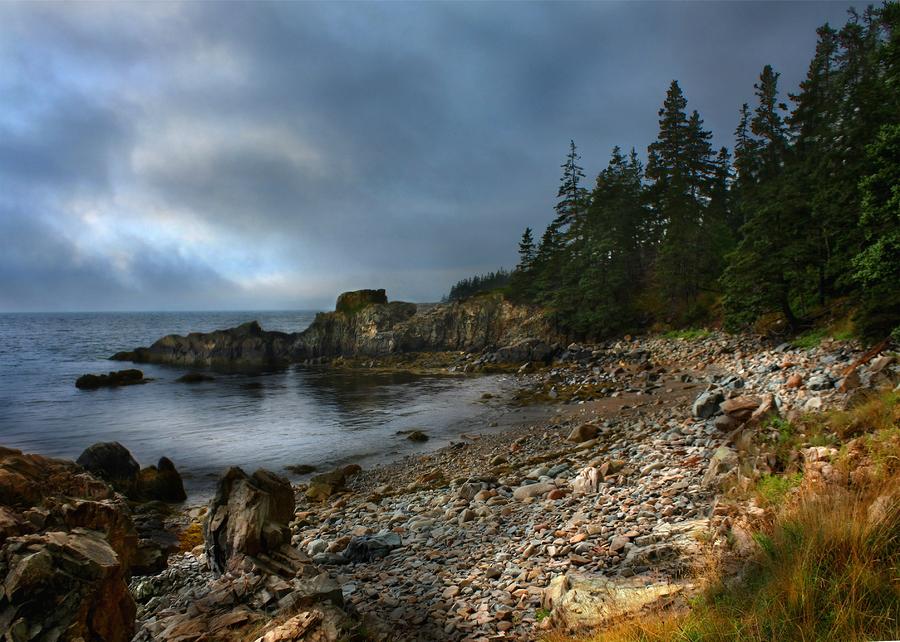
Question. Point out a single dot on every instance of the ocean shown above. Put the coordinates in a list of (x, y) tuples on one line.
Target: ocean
[(298, 415)]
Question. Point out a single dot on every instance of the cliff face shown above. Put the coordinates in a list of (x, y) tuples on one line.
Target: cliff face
[(364, 324)]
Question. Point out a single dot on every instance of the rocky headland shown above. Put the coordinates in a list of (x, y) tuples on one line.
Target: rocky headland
[(363, 324), (608, 510)]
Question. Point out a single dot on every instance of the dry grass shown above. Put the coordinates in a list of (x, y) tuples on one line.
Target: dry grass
[(877, 414), (828, 568)]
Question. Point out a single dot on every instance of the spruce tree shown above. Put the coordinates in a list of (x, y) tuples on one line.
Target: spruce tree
[(877, 266), (526, 250), (770, 250), (553, 252), (681, 168)]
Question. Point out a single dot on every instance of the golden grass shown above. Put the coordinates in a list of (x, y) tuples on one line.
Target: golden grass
[(827, 568), (876, 414)]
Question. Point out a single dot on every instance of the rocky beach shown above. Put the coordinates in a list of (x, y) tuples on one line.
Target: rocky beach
[(612, 506)]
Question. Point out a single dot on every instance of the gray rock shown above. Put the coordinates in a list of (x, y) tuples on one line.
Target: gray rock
[(707, 404), (820, 381), (371, 547)]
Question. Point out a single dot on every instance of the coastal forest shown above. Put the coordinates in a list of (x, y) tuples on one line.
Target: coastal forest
[(800, 218)]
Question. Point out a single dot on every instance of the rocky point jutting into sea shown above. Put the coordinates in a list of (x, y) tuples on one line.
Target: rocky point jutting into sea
[(364, 323), (603, 511)]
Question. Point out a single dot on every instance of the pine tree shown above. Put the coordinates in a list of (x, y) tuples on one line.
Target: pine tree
[(521, 284), (681, 168), (603, 267), (775, 217), (526, 251), (552, 253), (572, 196), (877, 266)]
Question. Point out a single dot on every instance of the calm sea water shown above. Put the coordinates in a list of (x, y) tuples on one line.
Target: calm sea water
[(298, 415)]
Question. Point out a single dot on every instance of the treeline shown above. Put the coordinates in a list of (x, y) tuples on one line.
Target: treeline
[(805, 211), (477, 284)]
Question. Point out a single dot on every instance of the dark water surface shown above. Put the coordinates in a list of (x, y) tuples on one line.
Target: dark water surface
[(298, 415)]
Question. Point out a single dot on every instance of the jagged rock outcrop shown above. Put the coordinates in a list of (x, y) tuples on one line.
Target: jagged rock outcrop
[(67, 545), (365, 324), (246, 345), (64, 586), (261, 588), (248, 516)]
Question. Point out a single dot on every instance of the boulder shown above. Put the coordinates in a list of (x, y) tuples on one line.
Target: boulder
[(118, 378), (371, 547), (67, 545), (161, 482), (794, 381), (767, 410), (112, 462), (724, 423), (324, 623), (323, 486), (581, 603), (526, 350), (417, 435), (850, 382), (677, 546), (707, 404), (722, 464), (820, 381), (587, 481), (194, 377), (248, 516), (740, 408), (584, 432), (532, 490), (300, 469), (65, 585), (880, 363)]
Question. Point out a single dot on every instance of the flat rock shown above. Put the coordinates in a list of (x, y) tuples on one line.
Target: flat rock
[(533, 490)]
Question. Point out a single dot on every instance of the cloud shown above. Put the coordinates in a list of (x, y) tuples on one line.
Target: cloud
[(272, 154)]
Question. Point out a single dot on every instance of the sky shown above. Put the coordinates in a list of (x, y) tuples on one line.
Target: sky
[(205, 156)]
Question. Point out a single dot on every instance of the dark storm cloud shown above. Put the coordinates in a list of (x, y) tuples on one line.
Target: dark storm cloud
[(270, 154)]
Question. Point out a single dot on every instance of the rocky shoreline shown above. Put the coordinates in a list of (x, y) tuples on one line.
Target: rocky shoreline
[(364, 324), (605, 510)]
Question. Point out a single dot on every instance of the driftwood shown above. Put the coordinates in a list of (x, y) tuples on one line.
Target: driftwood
[(868, 356)]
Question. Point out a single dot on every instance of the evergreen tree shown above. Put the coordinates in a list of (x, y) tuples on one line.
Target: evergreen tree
[(681, 167), (522, 279), (877, 266), (526, 251), (774, 214), (804, 227), (572, 196), (551, 288)]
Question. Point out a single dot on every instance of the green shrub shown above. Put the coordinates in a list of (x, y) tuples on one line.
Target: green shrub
[(772, 489)]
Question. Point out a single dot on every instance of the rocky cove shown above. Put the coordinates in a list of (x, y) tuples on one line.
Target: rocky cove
[(605, 509)]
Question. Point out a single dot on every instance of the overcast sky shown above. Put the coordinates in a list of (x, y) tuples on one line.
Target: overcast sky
[(268, 156)]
